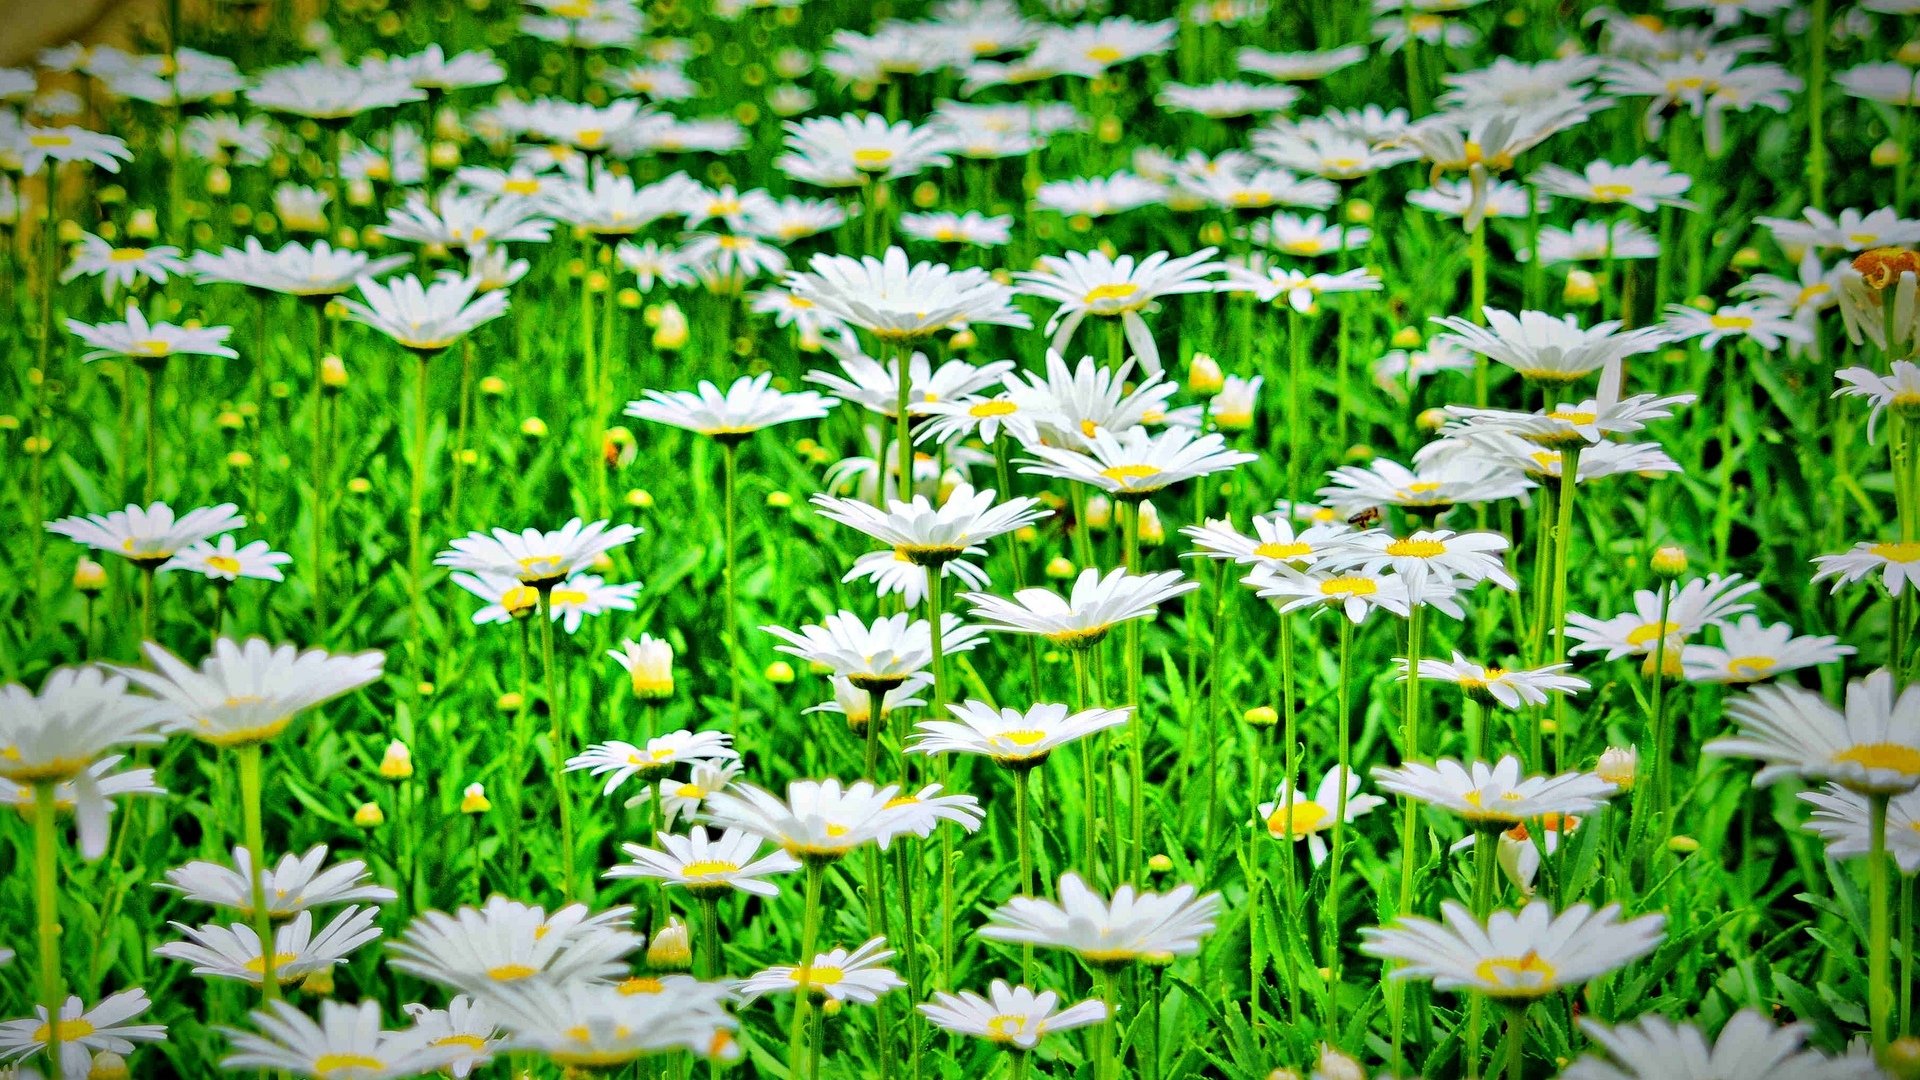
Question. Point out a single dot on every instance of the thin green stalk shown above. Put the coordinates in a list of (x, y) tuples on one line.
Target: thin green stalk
[(1089, 813), (416, 503), (1136, 743), (903, 437), (1486, 856), (1105, 1065), (317, 471), (556, 715), (1290, 737), (1023, 826), (803, 974), (1516, 1042), (1477, 304), (152, 370), (1330, 911), (46, 895), (464, 411), (1409, 814), (1296, 396), (708, 944), (1562, 562), (1879, 938), (249, 761), (729, 451)]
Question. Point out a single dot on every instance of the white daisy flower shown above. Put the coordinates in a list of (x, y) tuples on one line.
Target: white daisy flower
[(225, 561), (972, 227), (540, 559), (1515, 956), (88, 796), (819, 819), (845, 151), (1275, 542), (121, 268), (1897, 563), (1107, 933), (1644, 184), (297, 883), (597, 1026), (425, 318), (1872, 747), (247, 693), (347, 1044), (1750, 651), (894, 571), (1094, 283), (470, 221), (1084, 617), (1098, 196), (1271, 283), (1513, 689), (1354, 593), (858, 976), (749, 405), (1700, 603), (1292, 817), (233, 952), (1137, 462), (622, 761), (1014, 737), (1549, 350), (898, 301), (487, 949), (295, 269), (150, 535), (1494, 795), (875, 656), (1764, 322), (686, 798), (466, 1026), (707, 867), (137, 339), (82, 1032), (1842, 818), (1013, 1018), (930, 535)]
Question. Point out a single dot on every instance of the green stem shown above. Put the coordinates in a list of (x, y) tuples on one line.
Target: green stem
[(729, 450), (317, 468), (46, 895), (803, 975), (1296, 394), (709, 941), (416, 503), (1562, 562), (1516, 1042), (1486, 854), (249, 761), (1330, 911), (556, 714), (1477, 304), (1090, 814), (153, 429), (464, 410), (903, 438), (1023, 827), (1136, 742), (1409, 815), (1879, 939)]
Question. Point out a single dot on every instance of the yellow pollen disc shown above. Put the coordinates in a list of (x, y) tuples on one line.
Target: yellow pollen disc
[(1307, 245), (224, 563), (240, 701), (946, 234), (127, 255), (564, 597), (1731, 322), (473, 1043), (709, 868), (993, 408), (1340, 164), (1023, 737), (582, 1033), (1641, 635), (904, 800), (1103, 54), (1349, 586), (1125, 475), (70, 1030), (690, 791), (1547, 461), (1908, 551), (1751, 667), (152, 347), (638, 985), (1416, 549), (258, 964), (1113, 290), (1864, 239), (826, 976), (1276, 550), (519, 186), (327, 1064), (800, 302), (1307, 817), (1570, 416), (1474, 154), (1247, 198), (1612, 192), (45, 140), (1088, 427), (1807, 294), (1006, 1027), (1527, 969), (1896, 757), (511, 972), (1690, 82), (836, 831), (872, 158), (589, 137), (540, 932), (1423, 487), (519, 598)]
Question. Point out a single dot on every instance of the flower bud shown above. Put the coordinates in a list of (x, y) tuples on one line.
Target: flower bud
[(219, 181), (1261, 716), (649, 666), (319, 983), (1359, 212), (1149, 529), (1334, 1065), (1407, 337), (1582, 288), (1159, 863), (493, 386), (1887, 154), (1683, 845), (359, 485), (1618, 766), (1061, 568), (474, 800), (108, 1065), (1746, 258), (640, 499), (229, 420), (1669, 561), (239, 459), (533, 428), (511, 701), (1204, 375), (1901, 1058), (1099, 512), (333, 373), (670, 335), (397, 764), (671, 948), (779, 500), (780, 673), (963, 339), (369, 816), (618, 447), (1430, 420), (143, 225), (89, 577)]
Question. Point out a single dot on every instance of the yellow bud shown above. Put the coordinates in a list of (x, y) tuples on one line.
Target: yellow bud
[(474, 800), (640, 499), (1683, 845), (1618, 766), (36, 445), (1110, 129), (1061, 568), (467, 456), (962, 339), (1212, 234), (229, 420), (1099, 512), (779, 500), (369, 816), (9, 422), (69, 231), (780, 673), (1159, 863), (397, 764), (1150, 531), (239, 459), (1887, 154), (108, 1066), (1909, 53), (1027, 534), (1407, 337), (359, 485), (1261, 716), (1674, 357), (143, 225), (1430, 420), (533, 428), (628, 298), (1746, 258), (445, 155), (831, 1007), (1359, 211), (333, 372), (1204, 375), (1669, 561), (89, 577), (1582, 288), (511, 701), (319, 983), (671, 948), (1901, 1058), (493, 386), (219, 182), (424, 688), (925, 194), (618, 447)]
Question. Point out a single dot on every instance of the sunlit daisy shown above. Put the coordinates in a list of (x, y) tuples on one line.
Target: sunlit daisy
[(1514, 956), (1094, 283), (347, 1043), (819, 819), (82, 1032), (1872, 746), (297, 883), (1082, 618), (466, 1026), (622, 761), (1292, 816), (480, 950), (1013, 737), (1700, 603), (247, 693), (858, 976), (224, 560), (1497, 795), (137, 339), (1512, 688), (898, 301), (425, 318), (540, 559), (1107, 933), (1012, 1017), (1844, 820), (1750, 1046), (707, 867), (1750, 651), (749, 405), (233, 952)]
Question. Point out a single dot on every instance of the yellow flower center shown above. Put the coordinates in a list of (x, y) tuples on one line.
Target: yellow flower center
[(1524, 970), (1896, 757), (1276, 550), (1571, 416), (1006, 1027), (1248, 198), (520, 186), (691, 791), (1306, 245), (1427, 24), (127, 255), (589, 137), (473, 1043), (641, 985), (1751, 667), (49, 140), (70, 1030), (1731, 322), (1306, 817), (1023, 737), (1125, 475), (152, 347), (1116, 290), (1103, 54), (1806, 295), (993, 408), (709, 868), (511, 972), (565, 597), (1416, 549), (1423, 487), (1612, 192), (226, 564), (1349, 585), (258, 964), (1641, 635), (825, 976), (872, 158), (327, 1064), (1907, 551)]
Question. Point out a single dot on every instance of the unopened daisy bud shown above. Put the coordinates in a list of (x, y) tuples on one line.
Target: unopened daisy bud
[(779, 500), (649, 666), (1901, 1058), (1099, 512), (1283, 1074), (618, 448), (424, 688), (1157, 959), (780, 673), (1582, 288), (108, 1065), (474, 800), (671, 334), (445, 155), (1110, 129), (671, 948), (1883, 266), (239, 459), (9, 422), (359, 485), (36, 445), (369, 816), (1617, 766), (1213, 234), (819, 667), (925, 194), (520, 601), (533, 428), (319, 982), (360, 192), (1359, 211), (467, 456), (219, 181), (69, 231), (229, 420), (1261, 716), (1746, 258), (397, 764), (1669, 561), (1430, 420), (963, 339), (1149, 530), (1334, 1065), (1887, 154), (143, 225), (1407, 337), (333, 373), (639, 499), (831, 1007), (1159, 863), (597, 282), (493, 386), (511, 701), (1061, 568), (89, 577), (1683, 845), (628, 298), (1203, 375), (1027, 534)]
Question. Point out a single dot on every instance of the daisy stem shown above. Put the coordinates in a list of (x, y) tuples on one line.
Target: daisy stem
[(46, 894), (516, 774), (1222, 580), (1016, 1065), (729, 450), (416, 499), (556, 715), (1257, 881), (1103, 1061), (1023, 826), (249, 762), (1516, 1042), (464, 412), (1003, 474), (1296, 409), (709, 939), (1906, 954), (1290, 735), (803, 974), (902, 437), (1562, 561), (318, 468), (1816, 106), (1409, 813), (1477, 304), (1136, 744), (1089, 814), (1879, 940), (1486, 865), (1657, 772), (876, 709), (1330, 911), (152, 478)]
